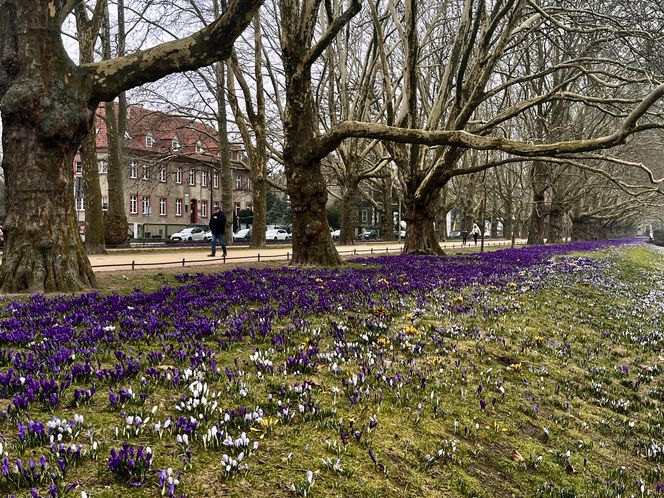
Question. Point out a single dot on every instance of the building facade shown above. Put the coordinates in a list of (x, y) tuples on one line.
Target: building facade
[(171, 173)]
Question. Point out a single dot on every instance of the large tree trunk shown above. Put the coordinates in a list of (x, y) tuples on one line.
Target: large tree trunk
[(88, 31), (586, 229), (556, 224), (94, 225), (226, 173), (44, 120), (312, 243), (115, 219), (47, 254), (349, 210), (508, 221), (259, 200), (420, 234), (539, 210)]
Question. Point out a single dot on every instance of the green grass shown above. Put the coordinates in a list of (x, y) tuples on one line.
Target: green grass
[(551, 362)]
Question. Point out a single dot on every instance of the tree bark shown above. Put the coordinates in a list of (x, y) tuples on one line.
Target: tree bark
[(349, 196), (539, 210), (88, 31), (44, 120), (556, 224), (312, 243), (43, 251), (115, 220), (94, 224), (586, 229), (421, 236), (387, 223)]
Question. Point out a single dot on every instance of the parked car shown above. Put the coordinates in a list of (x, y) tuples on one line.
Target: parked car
[(368, 234), (277, 234), (335, 233), (244, 234), (401, 233), (192, 233)]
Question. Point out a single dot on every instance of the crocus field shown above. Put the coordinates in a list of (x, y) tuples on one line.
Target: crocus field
[(522, 372)]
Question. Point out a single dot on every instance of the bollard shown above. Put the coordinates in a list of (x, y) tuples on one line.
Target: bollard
[(372, 250), (259, 257), (133, 264), (183, 262), (287, 256)]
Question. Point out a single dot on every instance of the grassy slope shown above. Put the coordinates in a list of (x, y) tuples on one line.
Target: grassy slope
[(557, 352)]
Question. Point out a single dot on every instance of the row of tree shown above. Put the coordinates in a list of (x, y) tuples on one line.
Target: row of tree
[(433, 100)]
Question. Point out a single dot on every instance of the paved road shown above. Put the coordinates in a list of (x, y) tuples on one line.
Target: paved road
[(153, 258)]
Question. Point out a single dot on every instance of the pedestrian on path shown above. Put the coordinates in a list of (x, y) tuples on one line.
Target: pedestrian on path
[(475, 232), (464, 237), (218, 229)]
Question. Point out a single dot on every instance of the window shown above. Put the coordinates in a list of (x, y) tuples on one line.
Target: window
[(162, 174), (234, 155), (146, 205), (103, 167), (204, 178), (178, 175), (175, 143), (133, 167), (178, 207), (133, 204), (104, 203), (215, 180), (248, 183), (149, 141), (162, 206), (79, 167), (364, 216), (78, 187), (79, 204), (237, 209), (238, 182), (146, 172), (199, 147), (204, 209), (192, 177), (215, 205)]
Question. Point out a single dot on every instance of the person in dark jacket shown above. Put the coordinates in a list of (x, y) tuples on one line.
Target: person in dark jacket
[(218, 229)]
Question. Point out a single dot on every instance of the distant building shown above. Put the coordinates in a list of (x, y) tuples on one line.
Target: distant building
[(171, 173)]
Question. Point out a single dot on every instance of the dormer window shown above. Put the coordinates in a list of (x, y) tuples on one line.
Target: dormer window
[(149, 141), (199, 147), (175, 143)]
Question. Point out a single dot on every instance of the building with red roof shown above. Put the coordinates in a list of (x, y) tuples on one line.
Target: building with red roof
[(171, 172)]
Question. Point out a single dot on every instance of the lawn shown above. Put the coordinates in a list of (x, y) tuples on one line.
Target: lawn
[(523, 372)]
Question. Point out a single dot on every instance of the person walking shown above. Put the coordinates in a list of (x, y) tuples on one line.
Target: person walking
[(218, 229), (475, 232), (464, 237)]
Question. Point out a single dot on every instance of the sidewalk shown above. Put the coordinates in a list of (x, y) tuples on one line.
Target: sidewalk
[(150, 258)]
